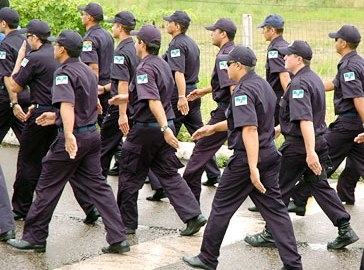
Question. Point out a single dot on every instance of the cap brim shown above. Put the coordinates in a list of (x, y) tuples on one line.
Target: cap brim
[(261, 25), (23, 30), (80, 8), (211, 27), (134, 32), (110, 20), (52, 39), (285, 51), (333, 35), (167, 18)]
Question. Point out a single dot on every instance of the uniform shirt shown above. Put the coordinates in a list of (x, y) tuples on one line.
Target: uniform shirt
[(252, 104), (349, 82), (220, 81), (124, 64), (98, 48), (183, 55), (9, 48), (74, 82), (303, 100), (36, 71), (153, 80), (275, 64)]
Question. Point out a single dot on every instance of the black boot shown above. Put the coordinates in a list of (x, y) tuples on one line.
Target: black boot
[(157, 196), (114, 171), (346, 237), (262, 239)]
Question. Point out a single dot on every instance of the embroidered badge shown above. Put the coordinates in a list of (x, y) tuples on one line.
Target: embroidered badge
[(241, 100), (349, 76), (63, 79), (24, 62), (87, 46), (141, 79), (223, 64), (119, 60), (2, 55), (272, 54), (298, 93), (175, 53)]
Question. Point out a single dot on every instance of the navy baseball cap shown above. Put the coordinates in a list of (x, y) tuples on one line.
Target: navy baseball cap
[(149, 33), (37, 27), (273, 20), (180, 17), (69, 39), (223, 24), (94, 10), (9, 15), (124, 18), (298, 47), (243, 55), (348, 33)]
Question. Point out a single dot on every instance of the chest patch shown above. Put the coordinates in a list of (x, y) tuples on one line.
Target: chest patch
[(175, 53), (87, 46), (272, 54), (119, 60), (63, 79), (349, 76), (223, 64), (142, 79), (2, 55), (241, 100), (299, 93), (24, 62)]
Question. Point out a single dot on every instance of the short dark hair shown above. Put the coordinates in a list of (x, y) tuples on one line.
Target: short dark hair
[(127, 28), (183, 28), (73, 53), (352, 46), (150, 47)]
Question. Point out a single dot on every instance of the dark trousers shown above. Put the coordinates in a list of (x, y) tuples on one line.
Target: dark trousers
[(57, 168), (234, 188), (9, 121), (203, 151), (104, 98), (144, 149), (6, 220)]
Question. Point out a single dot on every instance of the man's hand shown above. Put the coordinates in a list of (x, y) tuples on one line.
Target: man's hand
[(313, 163), (46, 119), (124, 124), (182, 105), (170, 138), (204, 131), (22, 51), (255, 178), (71, 145), (118, 99), (359, 138), (195, 94), (19, 113), (100, 89), (99, 107)]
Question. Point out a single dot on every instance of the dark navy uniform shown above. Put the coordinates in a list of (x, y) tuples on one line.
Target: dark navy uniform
[(206, 147), (9, 48), (145, 147), (98, 48), (252, 104), (6, 221)]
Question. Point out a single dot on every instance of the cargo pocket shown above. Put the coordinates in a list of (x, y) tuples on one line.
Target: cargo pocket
[(129, 157)]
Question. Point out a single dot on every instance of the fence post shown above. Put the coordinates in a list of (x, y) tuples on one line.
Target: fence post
[(248, 30)]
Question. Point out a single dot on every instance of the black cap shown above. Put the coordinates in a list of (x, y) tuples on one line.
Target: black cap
[(4, 3), (124, 17), (180, 17), (9, 15), (298, 47), (69, 39), (94, 10), (149, 33), (348, 33), (243, 55), (223, 24), (37, 27), (273, 20)]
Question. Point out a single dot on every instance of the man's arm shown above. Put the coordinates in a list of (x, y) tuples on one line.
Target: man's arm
[(285, 79), (182, 104), (95, 69), (208, 130), (68, 120), (123, 89), (197, 93), (329, 86), (359, 106), (308, 134)]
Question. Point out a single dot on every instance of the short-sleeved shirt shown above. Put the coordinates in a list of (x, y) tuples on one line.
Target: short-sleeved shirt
[(36, 71), (153, 81), (98, 48), (220, 81), (252, 104), (124, 64), (304, 99), (275, 64), (183, 55), (9, 48), (349, 82), (74, 82)]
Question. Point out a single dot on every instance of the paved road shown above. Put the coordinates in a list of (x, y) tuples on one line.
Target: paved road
[(157, 244)]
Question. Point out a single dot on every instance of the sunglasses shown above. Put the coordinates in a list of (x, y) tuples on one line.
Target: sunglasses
[(230, 62)]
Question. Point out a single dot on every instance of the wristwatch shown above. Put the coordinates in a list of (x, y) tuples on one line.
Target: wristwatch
[(164, 128), (12, 104)]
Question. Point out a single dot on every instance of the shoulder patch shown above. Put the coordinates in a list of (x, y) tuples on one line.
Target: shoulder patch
[(87, 46), (141, 79), (2, 55), (24, 62), (119, 60), (272, 54), (63, 79), (175, 53), (240, 100), (349, 76), (223, 64), (299, 93)]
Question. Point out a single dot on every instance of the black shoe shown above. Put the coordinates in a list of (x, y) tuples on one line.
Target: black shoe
[(253, 209), (211, 181), (114, 171), (92, 217), (25, 245), (194, 225), (346, 237), (263, 239), (195, 262), (5, 236), (129, 230), (299, 210), (157, 196), (120, 247), (18, 216)]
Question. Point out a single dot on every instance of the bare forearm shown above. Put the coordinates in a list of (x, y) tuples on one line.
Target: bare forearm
[(308, 134), (68, 117), (251, 142)]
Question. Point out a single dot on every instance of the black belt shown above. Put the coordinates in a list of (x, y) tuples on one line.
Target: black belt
[(40, 106), (191, 86), (349, 114), (223, 103), (81, 129), (298, 139), (151, 124)]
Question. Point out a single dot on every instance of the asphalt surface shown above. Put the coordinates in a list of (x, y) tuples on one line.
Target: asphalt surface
[(73, 245)]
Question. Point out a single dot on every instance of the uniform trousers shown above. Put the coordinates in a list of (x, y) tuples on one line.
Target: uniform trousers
[(144, 149), (104, 101), (233, 190), (6, 220), (203, 151), (57, 169)]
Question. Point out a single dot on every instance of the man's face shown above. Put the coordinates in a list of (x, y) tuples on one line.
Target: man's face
[(217, 37), (268, 33), (171, 27)]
